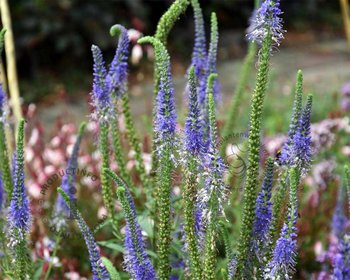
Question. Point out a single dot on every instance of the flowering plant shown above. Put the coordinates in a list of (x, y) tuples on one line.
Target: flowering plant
[(184, 229)]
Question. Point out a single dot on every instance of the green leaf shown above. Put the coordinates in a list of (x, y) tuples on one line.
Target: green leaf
[(38, 269), (113, 273), (110, 244)]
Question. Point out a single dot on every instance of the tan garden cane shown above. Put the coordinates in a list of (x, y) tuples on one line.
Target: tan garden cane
[(344, 4)]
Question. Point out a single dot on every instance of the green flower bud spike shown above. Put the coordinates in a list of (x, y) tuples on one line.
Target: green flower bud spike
[(165, 152), (107, 192), (168, 19), (210, 258), (280, 195), (250, 191)]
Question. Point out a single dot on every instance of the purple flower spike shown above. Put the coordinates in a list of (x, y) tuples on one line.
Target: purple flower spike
[(266, 21), (342, 260), (1, 192), (193, 126), (136, 260), (19, 217), (284, 255), (297, 150), (166, 115), (118, 72), (19, 213), (199, 54), (263, 212), (232, 268), (101, 97), (3, 100), (282, 264), (98, 269), (339, 217)]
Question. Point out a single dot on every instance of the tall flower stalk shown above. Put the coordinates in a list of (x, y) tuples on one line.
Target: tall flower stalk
[(165, 124), (108, 86), (118, 73), (193, 149), (210, 68), (213, 195), (199, 53), (103, 113), (117, 77), (136, 260), (19, 216), (164, 27), (262, 31), (99, 270)]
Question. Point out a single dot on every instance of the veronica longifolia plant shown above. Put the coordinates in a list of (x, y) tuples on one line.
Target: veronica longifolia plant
[(263, 250), (264, 33)]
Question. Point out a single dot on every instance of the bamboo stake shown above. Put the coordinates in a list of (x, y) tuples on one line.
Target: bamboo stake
[(344, 4), (13, 87)]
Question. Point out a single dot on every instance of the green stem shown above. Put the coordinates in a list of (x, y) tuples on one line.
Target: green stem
[(190, 194), (209, 253), (226, 238), (57, 242), (5, 165), (107, 193), (213, 205), (164, 221), (118, 153)]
